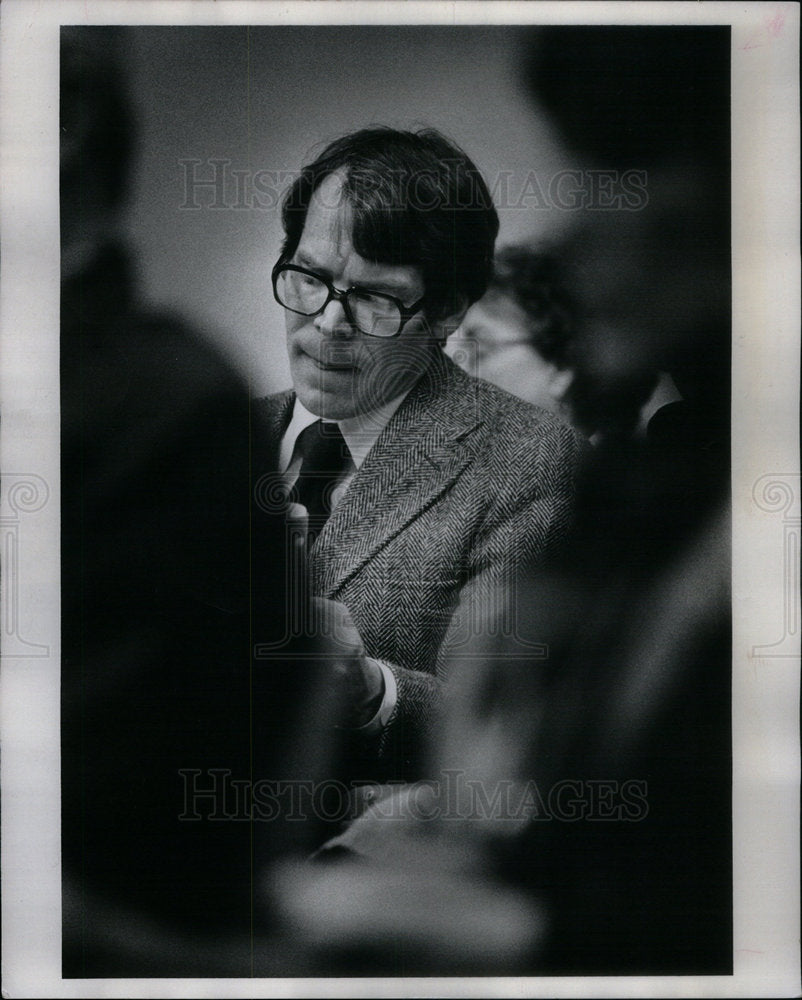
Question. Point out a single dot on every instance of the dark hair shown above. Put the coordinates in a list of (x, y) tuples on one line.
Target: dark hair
[(534, 281), (418, 200)]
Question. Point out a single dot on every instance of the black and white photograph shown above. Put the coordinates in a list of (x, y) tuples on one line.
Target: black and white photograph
[(400, 585)]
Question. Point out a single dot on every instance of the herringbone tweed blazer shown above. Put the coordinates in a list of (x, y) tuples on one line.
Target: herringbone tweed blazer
[(463, 484)]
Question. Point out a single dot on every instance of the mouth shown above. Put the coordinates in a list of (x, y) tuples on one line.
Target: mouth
[(342, 361)]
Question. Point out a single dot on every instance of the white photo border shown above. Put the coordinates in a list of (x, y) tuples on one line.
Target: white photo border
[(766, 486)]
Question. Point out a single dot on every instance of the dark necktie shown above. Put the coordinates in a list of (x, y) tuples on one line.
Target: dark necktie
[(324, 460)]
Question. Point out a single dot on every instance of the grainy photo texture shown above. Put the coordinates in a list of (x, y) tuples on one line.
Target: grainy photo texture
[(395, 501)]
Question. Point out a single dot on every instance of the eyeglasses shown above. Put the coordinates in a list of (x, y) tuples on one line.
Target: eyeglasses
[(307, 294)]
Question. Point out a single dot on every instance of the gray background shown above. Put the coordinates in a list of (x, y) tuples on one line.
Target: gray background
[(264, 99)]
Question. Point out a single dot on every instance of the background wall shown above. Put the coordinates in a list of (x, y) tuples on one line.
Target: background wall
[(260, 101)]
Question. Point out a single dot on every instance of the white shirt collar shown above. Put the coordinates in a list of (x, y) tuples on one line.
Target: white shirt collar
[(301, 419), (360, 432)]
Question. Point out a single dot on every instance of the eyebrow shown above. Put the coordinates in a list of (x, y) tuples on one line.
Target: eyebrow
[(398, 289), (302, 260)]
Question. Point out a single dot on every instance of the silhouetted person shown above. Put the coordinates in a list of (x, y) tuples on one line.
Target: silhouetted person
[(171, 574), (635, 610)]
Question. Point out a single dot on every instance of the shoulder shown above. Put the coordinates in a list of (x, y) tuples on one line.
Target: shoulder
[(528, 454), (513, 413), (511, 425), (276, 401), (273, 412)]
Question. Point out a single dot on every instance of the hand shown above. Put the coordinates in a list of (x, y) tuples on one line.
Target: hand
[(358, 678)]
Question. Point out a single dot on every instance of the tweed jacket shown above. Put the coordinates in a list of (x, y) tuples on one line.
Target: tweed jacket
[(463, 484)]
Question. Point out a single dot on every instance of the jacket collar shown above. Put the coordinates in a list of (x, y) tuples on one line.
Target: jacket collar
[(424, 448)]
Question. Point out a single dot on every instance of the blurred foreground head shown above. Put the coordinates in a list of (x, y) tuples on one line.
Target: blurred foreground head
[(97, 137), (652, 285), (178, 659)]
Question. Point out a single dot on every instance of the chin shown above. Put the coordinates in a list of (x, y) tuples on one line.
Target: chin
[(326, 405)]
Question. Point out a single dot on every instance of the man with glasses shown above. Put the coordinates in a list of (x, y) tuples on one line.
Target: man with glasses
[(419, 485)]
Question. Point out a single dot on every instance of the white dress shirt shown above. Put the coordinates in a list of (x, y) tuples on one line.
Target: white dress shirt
[(360, 434)]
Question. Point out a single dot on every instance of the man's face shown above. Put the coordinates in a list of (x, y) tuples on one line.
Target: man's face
[(339, 372)]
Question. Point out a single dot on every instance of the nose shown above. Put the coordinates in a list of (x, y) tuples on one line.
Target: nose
[(333, 322)]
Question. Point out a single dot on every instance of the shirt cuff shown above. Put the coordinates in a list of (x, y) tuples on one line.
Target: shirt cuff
[(380, 719)]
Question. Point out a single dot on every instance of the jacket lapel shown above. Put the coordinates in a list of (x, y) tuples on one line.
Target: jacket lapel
[(425, 447)]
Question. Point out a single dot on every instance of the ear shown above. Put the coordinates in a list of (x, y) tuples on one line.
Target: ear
[(444, 327), (560, 381)]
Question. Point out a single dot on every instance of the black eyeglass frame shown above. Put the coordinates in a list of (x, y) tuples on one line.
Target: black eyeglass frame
[(337, 295)]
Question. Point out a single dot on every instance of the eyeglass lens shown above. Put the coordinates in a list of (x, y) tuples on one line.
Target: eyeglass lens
[(371, 312)]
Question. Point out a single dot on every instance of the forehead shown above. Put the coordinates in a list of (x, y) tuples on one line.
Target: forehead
[(329, 219), (326, 243)]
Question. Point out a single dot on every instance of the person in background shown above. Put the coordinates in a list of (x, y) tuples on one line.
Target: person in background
[(519, 334), (523, 336)]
